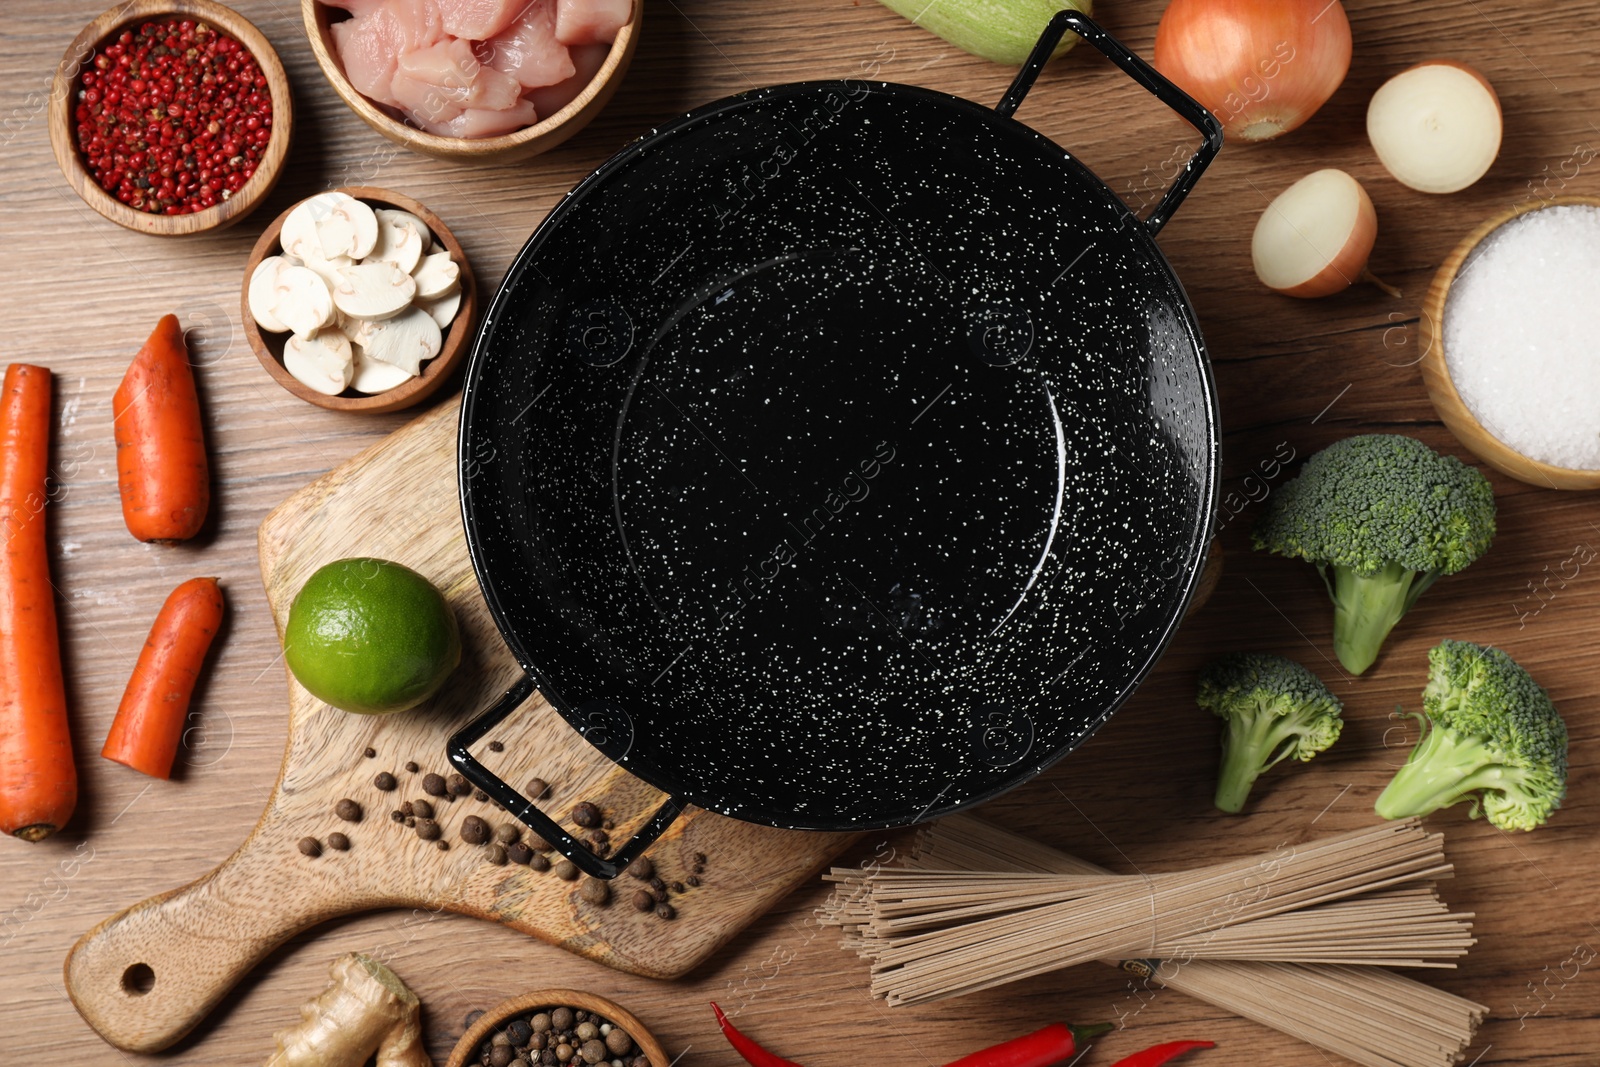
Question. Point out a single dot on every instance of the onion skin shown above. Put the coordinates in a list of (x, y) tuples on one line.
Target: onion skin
[(1350, 265), (1261, 66)]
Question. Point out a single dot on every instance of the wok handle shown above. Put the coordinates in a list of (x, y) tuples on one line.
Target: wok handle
[(459, 751), (1143, 73)]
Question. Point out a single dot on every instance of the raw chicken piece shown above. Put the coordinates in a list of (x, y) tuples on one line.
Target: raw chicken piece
[(478, 20), (476, 122), (591, 21), (369, 46), (588, 58), (423, 102), (430, 81), (449, 64), (355, 7), (528, 49)]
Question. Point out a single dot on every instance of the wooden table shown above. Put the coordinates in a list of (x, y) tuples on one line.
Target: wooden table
[(82, 294)]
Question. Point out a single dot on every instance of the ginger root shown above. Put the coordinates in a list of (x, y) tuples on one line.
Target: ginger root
[(365, 1009)]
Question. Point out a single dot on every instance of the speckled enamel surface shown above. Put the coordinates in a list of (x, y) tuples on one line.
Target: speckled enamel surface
[(840, 455)]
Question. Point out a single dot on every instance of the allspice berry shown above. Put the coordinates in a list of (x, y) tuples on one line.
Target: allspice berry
[(427, 829), (497, 855), (593, 1051), (643, 901), (586, 815), (537, 788), (539, 861), (433, 785), (421, 809), (385, 782), (348, 810), (474, 831), (618, 1043), (338, 842), (459, 786), (566, 871), (506, 833), (595, 891), (666, 911), (642, 868), (502, 1055), (310, 846), (517, 852)]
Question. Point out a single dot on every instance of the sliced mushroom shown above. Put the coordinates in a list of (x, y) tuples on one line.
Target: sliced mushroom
[(303, 302), (406, 340), (263, 293), (376, 376), (401, 238), (376, 289), (443, 308), (347, 228), (437, 275), (324, 362), (299, 236), (327, 269)]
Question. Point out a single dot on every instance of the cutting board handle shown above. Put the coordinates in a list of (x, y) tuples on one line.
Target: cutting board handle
[(146, 976)]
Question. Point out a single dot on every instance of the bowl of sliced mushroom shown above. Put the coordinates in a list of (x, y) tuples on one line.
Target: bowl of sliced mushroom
[(359, 299)]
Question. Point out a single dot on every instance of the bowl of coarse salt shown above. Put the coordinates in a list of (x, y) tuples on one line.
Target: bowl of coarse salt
[(1509, 353)]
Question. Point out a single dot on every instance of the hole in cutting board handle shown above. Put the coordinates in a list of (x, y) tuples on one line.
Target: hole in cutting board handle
[(138, 980), (460, 754)]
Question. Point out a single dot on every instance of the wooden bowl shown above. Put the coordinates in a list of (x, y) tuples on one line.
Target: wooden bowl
[(463, 1055), (524, 143), (452, 353), (64, 95), (1442, 391)]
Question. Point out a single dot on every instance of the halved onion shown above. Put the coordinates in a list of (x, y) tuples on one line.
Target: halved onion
[(1436, 126), (1316, 237)]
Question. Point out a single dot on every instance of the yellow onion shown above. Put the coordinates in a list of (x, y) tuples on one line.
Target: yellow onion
[(1263, 67)]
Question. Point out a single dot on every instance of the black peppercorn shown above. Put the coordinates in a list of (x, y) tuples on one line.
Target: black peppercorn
[(519, 1031), (370, 753), (496, 746)]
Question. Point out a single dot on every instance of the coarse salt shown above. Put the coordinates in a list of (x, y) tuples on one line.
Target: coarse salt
[(1520, 335)]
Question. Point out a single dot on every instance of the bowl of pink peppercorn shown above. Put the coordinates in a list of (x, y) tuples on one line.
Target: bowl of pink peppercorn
[(171, 117), (474, 80)]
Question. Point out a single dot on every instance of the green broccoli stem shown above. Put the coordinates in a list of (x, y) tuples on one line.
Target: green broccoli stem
[(1250, 746), (1445, 768), (1366, 607)]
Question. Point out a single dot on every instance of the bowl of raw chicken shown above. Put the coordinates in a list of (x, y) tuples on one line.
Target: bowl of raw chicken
[(474, 79)]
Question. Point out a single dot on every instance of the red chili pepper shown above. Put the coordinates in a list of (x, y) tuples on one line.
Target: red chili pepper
[(753, 1053), (1054, 1043), (1159, 1054)]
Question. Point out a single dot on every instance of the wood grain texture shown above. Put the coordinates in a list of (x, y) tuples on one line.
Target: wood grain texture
[(194, 944), (1292, 376), (63, 98)]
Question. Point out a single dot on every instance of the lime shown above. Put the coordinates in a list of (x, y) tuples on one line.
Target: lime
[(371, 636)]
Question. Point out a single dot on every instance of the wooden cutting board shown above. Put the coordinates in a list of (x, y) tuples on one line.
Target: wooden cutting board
[(144, 977)]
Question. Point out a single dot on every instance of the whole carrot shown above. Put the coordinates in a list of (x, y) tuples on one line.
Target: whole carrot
[(155, 705), (38, 782), (161, 450)]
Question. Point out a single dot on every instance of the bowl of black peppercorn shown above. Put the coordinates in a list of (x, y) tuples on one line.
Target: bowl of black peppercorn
[(557, 1028)]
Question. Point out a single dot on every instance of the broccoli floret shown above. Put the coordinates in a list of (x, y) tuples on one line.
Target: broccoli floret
[(1382, 517), (1494, 738), (1274, 708)]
